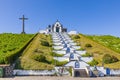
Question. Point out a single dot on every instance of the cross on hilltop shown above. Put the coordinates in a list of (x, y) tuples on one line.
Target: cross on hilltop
[(23, 24)]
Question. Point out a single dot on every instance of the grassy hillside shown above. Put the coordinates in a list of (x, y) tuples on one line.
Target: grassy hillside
[(11, 45), (37, 55), (109, 41), (98, 49)]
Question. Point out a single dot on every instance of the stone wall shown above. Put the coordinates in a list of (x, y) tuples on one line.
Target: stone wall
[(7, 70)]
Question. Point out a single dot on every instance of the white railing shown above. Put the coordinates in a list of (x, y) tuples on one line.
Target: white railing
[(114, 72), (33, 72)]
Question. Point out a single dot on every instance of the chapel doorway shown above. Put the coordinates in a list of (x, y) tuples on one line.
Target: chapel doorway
[(57, 29), (77, 74)]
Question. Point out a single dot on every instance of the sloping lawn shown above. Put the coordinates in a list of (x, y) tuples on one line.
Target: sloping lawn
[(97, 49), (11, 46), (37, 55)]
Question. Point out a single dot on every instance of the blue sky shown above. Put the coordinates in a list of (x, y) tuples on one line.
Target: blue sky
[(84, 16)]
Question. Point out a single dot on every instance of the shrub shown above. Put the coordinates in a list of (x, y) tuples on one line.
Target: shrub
[(18, 64), (87, 55), (107, 58), (114, 59), (82, 49), (61, 63), (93, 62), (2, 60), (39, 57), (45, 43), (88, 45), (70, 71), (76, 37), (55, 54), (38, 50), (57, 63)]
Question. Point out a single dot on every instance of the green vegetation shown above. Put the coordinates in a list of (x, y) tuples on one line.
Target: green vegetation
[(87, 55), (93, 62), (82, 49), (38, 51), (88, 45), (109, 41), (107, 58), (37, 56), (76, 37), (98, 50), (11, 46), (57, 63), (45, 43), (70, 71), (56, 55)]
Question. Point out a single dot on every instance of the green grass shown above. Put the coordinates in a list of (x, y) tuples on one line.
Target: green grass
[(87, 55), (35, 48), (98, 50), (56, 55), (109, 41), (38, 56), (11, 45)]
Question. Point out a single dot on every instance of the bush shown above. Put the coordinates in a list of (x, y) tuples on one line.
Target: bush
[(107, 58), (82, 49), (61, 63), (18, 64), (88, 45), (45, 43), (2, 60), (39, 57), (93, 62), (76, 37), (70, 71), (87, 55), (38, 51), (55, 54), (57, 63), (114, 59)]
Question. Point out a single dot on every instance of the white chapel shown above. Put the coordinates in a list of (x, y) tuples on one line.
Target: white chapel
[(57, 27)]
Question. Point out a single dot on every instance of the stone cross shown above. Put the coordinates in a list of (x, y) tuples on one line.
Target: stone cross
[(23, 24)]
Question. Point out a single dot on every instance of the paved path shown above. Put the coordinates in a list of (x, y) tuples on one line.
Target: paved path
[(58, 78)]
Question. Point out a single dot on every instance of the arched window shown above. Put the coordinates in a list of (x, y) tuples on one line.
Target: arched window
[(71, 56), (77, 64)]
